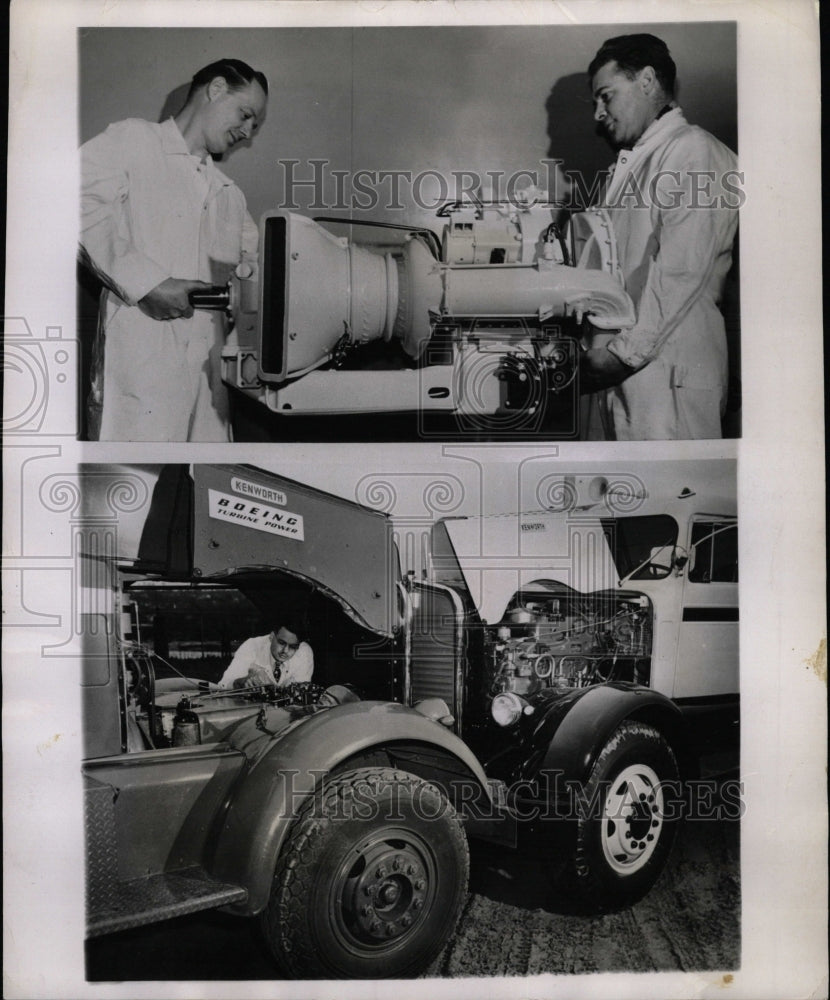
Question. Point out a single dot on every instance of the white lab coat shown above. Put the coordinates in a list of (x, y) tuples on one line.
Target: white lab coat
[(149, 211), (256, 652), (673, 201)]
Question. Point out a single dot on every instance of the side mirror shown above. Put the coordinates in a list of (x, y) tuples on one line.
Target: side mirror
[(681, 559)]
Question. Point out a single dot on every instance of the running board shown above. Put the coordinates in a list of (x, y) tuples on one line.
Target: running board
[(160, 897)]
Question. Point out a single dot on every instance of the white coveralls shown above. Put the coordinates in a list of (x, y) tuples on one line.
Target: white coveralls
[(673, 201), (256, 652), (150, 210)]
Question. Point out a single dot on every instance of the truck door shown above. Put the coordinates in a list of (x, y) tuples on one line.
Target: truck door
[(707, 655)]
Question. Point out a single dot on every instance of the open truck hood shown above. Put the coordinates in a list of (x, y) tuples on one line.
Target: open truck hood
[(245, 518), (238, 518), (495, 557)]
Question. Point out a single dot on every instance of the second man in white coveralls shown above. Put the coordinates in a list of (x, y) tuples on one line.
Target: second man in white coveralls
[(673, 197)]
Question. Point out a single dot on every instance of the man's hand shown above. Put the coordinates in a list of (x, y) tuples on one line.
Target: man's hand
[(169, 299), (600, 369), (260, 677)]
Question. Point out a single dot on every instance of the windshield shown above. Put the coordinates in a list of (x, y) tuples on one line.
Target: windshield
[(641, 546)]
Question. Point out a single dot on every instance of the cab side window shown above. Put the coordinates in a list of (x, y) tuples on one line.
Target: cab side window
[(714, 552)]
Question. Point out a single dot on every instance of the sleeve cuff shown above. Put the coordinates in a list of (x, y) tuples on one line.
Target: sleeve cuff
[(632, 354)]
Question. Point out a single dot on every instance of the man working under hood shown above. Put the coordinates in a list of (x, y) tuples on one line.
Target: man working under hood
[(672, 196), (275, 660), (158, 221)]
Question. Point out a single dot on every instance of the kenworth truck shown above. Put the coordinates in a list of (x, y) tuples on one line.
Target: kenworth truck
[(551, 698)]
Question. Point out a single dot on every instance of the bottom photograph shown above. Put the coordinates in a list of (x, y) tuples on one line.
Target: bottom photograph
[(475, 722)]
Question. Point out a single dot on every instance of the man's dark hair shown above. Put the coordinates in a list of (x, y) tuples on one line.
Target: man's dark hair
[(293, 623), (632, 53), (237, 74)]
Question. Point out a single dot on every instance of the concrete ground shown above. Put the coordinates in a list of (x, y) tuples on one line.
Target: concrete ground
[(512, 925)]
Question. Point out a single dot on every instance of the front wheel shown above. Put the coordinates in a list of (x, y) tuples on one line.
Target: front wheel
[(628, 820), (371, 880)]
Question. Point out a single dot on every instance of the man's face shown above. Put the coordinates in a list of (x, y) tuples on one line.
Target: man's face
[(231, 116), (284, 645), (622, 105)]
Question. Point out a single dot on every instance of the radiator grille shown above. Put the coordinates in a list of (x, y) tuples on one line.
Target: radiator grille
[(433, 647)]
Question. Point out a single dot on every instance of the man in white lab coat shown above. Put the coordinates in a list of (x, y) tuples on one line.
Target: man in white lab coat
[(158, 221), (673, 196), (274, 660)]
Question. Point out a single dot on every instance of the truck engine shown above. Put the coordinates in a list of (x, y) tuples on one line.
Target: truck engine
[(567, 641)]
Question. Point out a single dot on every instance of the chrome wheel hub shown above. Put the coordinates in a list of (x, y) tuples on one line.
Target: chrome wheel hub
[(632, 819)]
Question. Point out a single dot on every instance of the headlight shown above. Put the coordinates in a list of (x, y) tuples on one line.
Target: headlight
[(507, 708)]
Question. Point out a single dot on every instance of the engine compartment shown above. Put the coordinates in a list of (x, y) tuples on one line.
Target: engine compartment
[(185, 719), (568, 640), (185, 711)]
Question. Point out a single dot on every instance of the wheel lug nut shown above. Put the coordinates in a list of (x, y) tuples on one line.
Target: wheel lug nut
[(374, 926), (391, 930), (649, 836), (396, 864), (417, 904), (419, 884), (381, 872), (410, 869), (642, 796), (406, 920), (370, 890), (654, 823), (365, 910)]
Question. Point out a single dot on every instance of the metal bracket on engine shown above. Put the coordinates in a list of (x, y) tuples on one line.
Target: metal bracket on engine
[(530, 378), (240, 367), (341, 350)]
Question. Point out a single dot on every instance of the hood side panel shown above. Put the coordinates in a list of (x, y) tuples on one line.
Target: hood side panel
[(246, 518)]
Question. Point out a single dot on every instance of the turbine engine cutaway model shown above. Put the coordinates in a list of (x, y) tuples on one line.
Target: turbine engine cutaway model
[(477, 319)]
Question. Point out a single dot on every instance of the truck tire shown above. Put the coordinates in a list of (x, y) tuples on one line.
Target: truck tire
[(370, 881), (627, 821)]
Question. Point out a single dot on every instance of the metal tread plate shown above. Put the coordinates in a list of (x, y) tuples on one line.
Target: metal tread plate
[(161, 897)]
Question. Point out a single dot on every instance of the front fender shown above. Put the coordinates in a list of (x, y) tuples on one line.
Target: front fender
[(266, 799), (574, 729)]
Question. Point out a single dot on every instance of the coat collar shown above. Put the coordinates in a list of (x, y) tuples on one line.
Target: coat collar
[(661, 127), (173, 144)]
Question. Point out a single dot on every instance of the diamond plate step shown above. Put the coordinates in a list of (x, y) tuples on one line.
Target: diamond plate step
[(160, 897)]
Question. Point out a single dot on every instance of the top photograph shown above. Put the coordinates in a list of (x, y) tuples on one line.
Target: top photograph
[(477, 233)]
